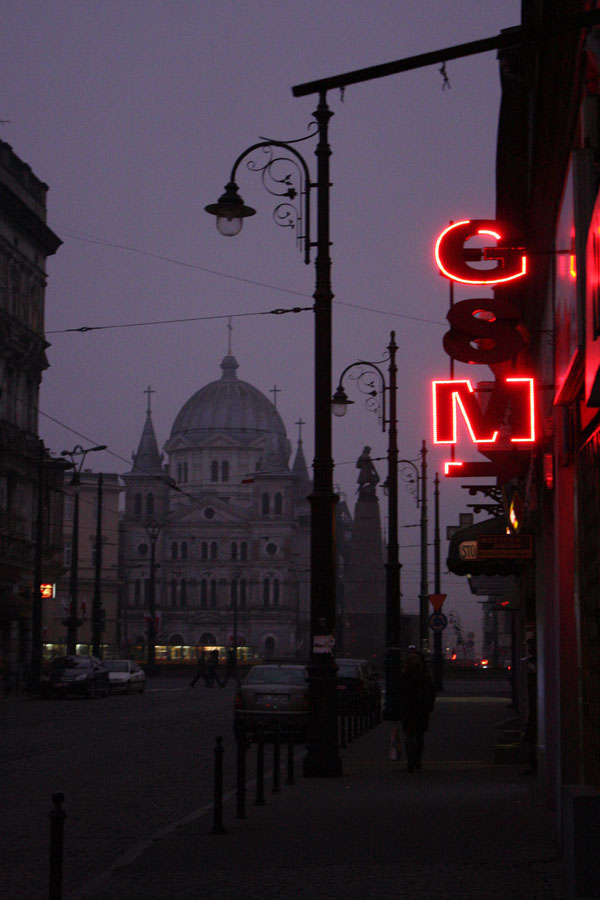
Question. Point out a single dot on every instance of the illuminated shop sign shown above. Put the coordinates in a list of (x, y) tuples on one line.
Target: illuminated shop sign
[(453, 258), (48, 591), (483, 331), (458, 396)]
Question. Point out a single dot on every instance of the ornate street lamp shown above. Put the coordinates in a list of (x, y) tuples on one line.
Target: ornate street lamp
[(370, 380), (72, 622), (323, 756)]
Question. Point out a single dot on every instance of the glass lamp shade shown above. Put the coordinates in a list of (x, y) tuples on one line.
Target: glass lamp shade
[(340, 402), (230, 225)]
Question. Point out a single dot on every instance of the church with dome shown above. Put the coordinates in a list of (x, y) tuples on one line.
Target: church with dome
[(223, 522)]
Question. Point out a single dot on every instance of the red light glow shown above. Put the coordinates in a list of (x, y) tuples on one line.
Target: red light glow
[(452, 396), (452, 257)]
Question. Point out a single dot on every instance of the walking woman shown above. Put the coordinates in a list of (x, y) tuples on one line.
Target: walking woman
[(417, 698)]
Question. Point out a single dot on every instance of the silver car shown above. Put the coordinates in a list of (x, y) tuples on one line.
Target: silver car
[(124, 676), (273, 693)]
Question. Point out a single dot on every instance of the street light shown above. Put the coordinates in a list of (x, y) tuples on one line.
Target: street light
[(322, 756), (420, 482), (72, 622), (153, 529), (374, 389)]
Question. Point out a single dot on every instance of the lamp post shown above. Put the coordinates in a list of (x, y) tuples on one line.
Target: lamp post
[(322, 756), (72, 622), (153, 529), (374, 389)]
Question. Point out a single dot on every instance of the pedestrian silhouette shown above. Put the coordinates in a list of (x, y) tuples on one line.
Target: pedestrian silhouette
[(231, 668), (211, 667), (201, 670), (417, 699)]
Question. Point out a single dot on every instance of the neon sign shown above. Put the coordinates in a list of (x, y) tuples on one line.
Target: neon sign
[(453, 258), (458, 396)]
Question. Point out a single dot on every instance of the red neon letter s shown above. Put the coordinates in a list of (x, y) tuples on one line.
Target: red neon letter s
[(483, 331), (453, 258)]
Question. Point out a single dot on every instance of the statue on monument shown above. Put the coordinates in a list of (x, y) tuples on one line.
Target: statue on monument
[(368, 479)]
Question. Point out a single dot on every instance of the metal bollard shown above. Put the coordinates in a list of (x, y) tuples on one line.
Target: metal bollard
[(219, 750), (57, 817), (290, 757), (276, 759), (260, 767), (242, 747)]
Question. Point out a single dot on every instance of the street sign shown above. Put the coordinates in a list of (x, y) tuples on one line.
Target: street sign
[(438, 621), (437, 601)]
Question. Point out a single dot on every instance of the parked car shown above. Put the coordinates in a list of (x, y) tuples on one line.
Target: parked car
[(79, 675), (273, 693), (124, 676), (356, 679)]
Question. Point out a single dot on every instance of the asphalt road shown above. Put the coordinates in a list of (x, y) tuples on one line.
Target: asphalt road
[(127, 765)]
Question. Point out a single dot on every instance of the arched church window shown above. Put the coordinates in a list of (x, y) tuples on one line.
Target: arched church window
[(150, 504), (204, 593), (183, 593), (213, 549), (244, 550), (265, 504), (173, 592), (266, 591), (178, 471), (185, 472), (213, 594), (278, 504), (234, 550), (184, 549), (275, 592), (174, 550), (137, 504), (214, 470), (225, 470), (204, 550)]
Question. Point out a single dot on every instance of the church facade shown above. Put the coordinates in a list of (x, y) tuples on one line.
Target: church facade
[(219, 531)]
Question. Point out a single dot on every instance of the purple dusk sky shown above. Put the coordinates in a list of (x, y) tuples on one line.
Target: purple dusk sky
[(133, 113)]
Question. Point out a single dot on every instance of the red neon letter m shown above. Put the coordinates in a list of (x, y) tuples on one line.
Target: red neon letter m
[(450, 397)]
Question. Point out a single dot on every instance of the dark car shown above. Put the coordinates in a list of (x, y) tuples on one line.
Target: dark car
[(357, 681), (75, 675), (273, 693)]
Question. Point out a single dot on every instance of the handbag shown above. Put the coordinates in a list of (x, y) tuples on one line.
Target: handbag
[(395, 744)]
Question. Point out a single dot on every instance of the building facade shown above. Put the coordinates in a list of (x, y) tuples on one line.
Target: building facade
[(27, 486), (97, 578), (218, 533), (548, 201)]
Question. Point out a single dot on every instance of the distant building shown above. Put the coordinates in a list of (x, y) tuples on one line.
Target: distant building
[(25, 243), (56, 610), (230, 522)]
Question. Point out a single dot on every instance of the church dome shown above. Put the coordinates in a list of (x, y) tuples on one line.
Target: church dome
[(232, 407)]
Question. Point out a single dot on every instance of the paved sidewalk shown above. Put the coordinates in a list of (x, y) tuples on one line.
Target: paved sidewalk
[(462, 828)]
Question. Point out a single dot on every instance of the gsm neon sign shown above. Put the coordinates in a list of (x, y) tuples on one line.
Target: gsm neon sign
[(453, 258), (457, 397)]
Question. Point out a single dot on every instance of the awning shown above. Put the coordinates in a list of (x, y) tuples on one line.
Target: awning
[(486, 549)]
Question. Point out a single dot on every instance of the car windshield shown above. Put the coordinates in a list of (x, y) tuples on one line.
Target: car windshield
[(274, 675), (72, 662), (116, 665)]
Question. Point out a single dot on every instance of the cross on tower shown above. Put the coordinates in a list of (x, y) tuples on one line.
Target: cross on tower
[(230, 330), (275, 390), (149, 391), (300, 423)]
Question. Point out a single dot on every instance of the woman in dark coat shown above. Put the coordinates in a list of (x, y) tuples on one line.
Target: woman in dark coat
[(417, 698)]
